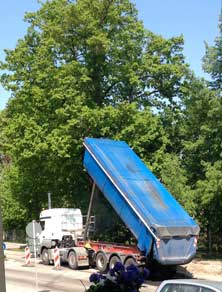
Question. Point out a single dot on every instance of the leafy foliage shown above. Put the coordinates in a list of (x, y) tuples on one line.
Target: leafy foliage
[(90, 68), (210, 193), (13, 213), (79, 74), (174, 177), (212, 61)]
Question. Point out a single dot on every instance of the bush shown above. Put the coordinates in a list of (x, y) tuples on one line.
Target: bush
[(119, 279)]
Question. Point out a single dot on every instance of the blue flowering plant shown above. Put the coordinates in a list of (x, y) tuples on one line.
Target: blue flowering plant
[(119, 279)]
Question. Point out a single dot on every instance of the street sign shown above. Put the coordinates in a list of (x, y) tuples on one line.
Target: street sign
[(33, 229)]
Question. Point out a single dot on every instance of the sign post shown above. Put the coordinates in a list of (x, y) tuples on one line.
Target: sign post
[(2, 263), (36, 273), (33, 230)]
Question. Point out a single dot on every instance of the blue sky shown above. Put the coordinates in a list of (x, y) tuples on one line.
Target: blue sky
[(196, 20)]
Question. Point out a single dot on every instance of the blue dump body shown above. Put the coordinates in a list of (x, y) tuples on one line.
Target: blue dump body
[(161, 226)]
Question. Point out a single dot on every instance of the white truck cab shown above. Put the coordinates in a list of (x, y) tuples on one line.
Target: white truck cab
[(61, 227), (59, 223)]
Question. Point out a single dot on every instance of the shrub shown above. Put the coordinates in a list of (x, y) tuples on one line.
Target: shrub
[(119, 279)]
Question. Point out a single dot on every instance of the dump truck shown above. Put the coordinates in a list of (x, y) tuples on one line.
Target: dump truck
[(164, 232)]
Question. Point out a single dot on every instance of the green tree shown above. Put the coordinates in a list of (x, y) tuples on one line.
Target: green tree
[(202, 142), (98, 50), (174, 177), (195, 131), (85, 68), (212, 61), (53, 162), (14, 213), (210, 208), (202, 148)]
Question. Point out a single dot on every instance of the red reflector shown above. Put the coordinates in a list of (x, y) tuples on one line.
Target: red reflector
[(158, 243), (82, 257), (195, 241)]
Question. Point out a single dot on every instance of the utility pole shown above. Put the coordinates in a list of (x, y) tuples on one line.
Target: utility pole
[(49, 201), (2, 260)]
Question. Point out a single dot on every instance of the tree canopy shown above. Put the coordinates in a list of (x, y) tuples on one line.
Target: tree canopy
[(89, 68), (212, 61)]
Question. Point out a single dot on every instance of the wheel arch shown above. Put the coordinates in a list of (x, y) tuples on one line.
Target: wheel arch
[(70, 250), (116, 254), (42, 248), (129, 257)]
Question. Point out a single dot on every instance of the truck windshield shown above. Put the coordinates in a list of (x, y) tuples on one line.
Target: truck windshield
[(69, 221)]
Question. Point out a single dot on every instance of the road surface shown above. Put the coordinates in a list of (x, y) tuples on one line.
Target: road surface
[(46, 278)]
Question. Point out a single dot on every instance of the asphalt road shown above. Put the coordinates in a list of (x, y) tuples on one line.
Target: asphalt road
[(46, 278)]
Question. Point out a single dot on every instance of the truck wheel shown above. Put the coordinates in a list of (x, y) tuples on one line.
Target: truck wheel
[(91, 255), (101, 262), (130, 261), (72, 261), (114, 259), (45, 256)]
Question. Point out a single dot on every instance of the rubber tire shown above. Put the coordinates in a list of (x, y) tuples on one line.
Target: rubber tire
[(45, 256), (91, 256), (72, 260), (130, 261), (101, 262), (114, 259)]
